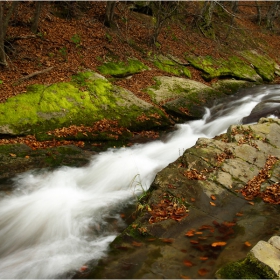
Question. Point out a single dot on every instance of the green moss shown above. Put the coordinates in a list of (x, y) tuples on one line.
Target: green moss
[(172, 67), (122, 69), (217, 68), (85, 100), (264, 65), (248, 268)]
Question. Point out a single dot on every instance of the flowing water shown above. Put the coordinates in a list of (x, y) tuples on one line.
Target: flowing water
[(54, 222)]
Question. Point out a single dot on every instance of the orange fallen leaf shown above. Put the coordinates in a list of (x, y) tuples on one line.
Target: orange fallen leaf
[(83, 268), (213, 197), (199, 232), (239, 214), (185, 277), (218, 244), (151, 239), (136, 244), (188, 263), (192, 199), (203, 271), (194, 242), (203, 258), (189, 233), (251, 202), (166, 240), (212, 203), (248, 244), (13, 155)]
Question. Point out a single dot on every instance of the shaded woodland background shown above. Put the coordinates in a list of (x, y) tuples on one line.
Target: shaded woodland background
[(47, 42)]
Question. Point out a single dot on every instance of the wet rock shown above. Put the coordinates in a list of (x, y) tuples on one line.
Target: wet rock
[(219, 226)]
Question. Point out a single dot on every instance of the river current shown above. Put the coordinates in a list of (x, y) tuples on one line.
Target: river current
[(54, 222)]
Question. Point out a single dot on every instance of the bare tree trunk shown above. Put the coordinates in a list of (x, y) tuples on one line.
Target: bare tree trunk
[(2, 50), (37, 14), (259, 13), (109, 15), (272, 14), (4, 21)]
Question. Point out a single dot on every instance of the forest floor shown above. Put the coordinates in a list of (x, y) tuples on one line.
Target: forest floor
[(66, 45)]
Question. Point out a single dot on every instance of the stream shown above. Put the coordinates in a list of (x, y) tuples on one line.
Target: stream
[(54, 222)]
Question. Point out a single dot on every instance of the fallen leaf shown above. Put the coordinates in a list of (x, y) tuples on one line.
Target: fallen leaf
[(251, 202), (188, 263), (192, 199), (199, 232), (83, 268), (194, 241), (213, 197), (203, 258), (185, 277), (239, 214), (218, 244), (248, 244), (27, 157), (212, 203), (166, 240), (13, 155), (203, 271), (189, 233), (136, 244)]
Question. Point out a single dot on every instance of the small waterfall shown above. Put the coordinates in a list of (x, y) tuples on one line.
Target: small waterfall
[(54, 222)]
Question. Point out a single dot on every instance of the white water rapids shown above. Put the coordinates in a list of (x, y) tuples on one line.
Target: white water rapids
[(54, 222)]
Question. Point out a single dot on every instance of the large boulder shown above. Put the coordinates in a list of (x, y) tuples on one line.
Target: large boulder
[(182, 98), (71, 110), (219, 68), (263, 64)]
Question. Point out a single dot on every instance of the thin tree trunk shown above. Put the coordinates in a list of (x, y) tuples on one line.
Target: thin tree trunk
[(2, 50), (259, 13), (37, 14), (109, 15), (272, 14)]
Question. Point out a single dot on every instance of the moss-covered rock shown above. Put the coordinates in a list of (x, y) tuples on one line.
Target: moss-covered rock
[(122, 69), (231, 86), (87, 99), (264, 65), (219, 68), (183, 98), (171, 66)]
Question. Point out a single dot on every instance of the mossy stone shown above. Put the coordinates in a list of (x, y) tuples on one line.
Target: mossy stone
[(220, 68), (264, 65), (122, 69)]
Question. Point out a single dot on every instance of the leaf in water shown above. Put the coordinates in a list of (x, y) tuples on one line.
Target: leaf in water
[(212, 203), (194, 242), (203, 258), (188, 263), (198, 232), (251, 202), (203, 271), (218, 244)]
